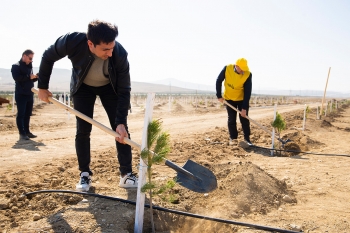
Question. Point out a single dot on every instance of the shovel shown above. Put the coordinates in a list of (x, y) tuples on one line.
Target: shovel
[(192, 176), (262, 127)]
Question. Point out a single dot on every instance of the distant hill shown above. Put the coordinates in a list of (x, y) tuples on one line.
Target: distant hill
[(170, 82), (60, 80)]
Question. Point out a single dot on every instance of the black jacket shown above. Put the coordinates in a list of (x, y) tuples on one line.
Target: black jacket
[(21, 74), (74, 45)]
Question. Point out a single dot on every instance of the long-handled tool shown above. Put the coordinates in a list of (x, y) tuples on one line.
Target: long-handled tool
[(262, 127), (193, 176)]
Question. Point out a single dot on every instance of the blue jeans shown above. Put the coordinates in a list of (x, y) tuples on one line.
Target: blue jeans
[(24, 111), (84, 101), (232, 120)]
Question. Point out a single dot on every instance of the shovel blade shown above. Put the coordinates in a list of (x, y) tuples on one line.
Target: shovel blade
[(203, 180)]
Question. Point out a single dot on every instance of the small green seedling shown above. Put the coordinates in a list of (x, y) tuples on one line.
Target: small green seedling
[(158, 147), (279, 124)]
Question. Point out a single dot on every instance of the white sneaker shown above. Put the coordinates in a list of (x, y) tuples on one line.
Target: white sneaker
[(84, 182), (128, 181)]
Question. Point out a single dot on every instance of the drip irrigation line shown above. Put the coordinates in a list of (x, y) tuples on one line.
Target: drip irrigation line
[(260, 227), (301, 152)]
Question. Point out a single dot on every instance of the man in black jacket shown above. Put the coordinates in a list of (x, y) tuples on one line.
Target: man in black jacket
[(22, 73), (100, 67)]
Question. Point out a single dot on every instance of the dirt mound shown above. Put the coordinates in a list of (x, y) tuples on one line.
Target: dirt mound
[(300, 142), (325, 123), (178, 107), (251, 190)]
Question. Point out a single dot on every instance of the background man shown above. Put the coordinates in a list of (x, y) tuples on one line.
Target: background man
[(100, 67), (238, 89), (22, 73)]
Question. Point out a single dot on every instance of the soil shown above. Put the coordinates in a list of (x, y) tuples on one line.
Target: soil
[(303, 186)]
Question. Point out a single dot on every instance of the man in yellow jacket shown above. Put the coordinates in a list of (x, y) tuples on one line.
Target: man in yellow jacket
[(238, 88)]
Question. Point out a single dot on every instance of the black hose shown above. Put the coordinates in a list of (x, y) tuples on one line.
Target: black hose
[(300, 152), (266, 228)]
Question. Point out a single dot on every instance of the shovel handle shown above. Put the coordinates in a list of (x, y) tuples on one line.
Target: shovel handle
[(111, 132), (90, 120), (250, 119)]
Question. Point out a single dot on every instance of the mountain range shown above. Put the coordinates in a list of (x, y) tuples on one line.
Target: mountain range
[(60, 80)]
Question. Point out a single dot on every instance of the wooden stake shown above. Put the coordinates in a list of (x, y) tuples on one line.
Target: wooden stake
[(325, 89)]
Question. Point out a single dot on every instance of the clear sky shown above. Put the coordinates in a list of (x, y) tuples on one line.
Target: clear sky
[(289, 44)]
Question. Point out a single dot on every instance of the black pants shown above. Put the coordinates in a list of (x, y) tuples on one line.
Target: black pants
[(24, 111), (232, 120), (84, 101)]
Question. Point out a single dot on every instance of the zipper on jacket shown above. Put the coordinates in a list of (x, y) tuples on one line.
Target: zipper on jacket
[(81, 80), (110, 79)]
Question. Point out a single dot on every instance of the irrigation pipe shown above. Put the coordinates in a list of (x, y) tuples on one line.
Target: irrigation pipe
[(260, 227), (300, 152)]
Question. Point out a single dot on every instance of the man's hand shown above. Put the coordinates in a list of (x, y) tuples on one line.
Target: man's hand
[(44, 95), (122, 132), (33, 76), (221, 100), (244, 113)]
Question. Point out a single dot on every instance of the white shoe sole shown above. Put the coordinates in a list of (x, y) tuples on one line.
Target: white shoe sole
[(81, 189)]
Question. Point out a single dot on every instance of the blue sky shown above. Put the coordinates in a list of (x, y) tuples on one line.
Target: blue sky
[(289, 44)]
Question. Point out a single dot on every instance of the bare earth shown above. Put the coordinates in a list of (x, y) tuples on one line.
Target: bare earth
[(306, 192)]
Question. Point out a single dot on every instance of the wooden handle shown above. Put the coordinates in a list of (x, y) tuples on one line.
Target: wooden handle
[(113, 133), (90, 120), (262, 127)]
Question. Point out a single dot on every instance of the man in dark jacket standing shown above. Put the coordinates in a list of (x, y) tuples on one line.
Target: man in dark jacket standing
[(100, 68), (22, 73)]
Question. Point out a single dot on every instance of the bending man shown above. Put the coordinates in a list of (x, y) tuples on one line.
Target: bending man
[(100, 68), (238, 89)]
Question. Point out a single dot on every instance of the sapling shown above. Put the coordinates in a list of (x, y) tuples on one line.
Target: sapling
[(158, 147), (9, 107), (279, 124), (308, 110)]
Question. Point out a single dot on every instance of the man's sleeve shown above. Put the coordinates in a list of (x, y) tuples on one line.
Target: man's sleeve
[(123, 84), (247, 91), (54, 53), (219, 81)]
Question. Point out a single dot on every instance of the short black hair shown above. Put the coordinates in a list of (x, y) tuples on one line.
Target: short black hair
[(101, 32), (27, 52)]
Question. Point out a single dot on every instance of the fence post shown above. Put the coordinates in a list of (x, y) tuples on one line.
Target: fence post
[(140, 201)]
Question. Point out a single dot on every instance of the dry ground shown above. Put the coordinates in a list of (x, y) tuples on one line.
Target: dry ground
[(292, 191)]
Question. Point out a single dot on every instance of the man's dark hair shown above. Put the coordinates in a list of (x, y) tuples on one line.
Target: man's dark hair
[(101, 32), (28, 52)]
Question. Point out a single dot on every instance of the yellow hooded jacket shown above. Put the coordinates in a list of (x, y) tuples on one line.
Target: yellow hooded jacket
[(234, 84)]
